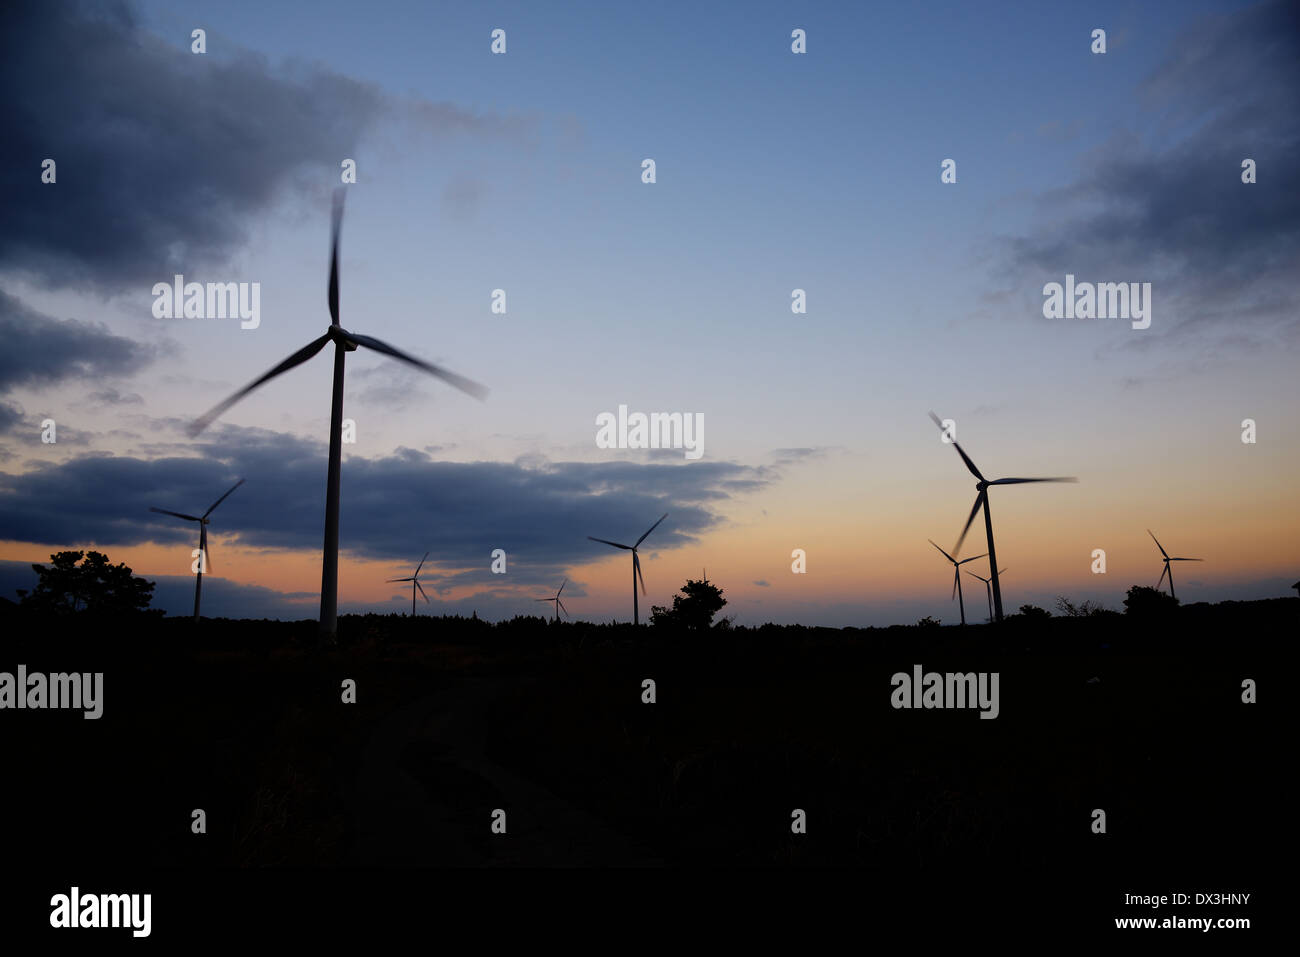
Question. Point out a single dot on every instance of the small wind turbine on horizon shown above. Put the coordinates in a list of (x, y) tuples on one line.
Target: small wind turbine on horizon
[(956, 578), (988, 590), (982, 499), (203, 540), (1168, 570), (415, 583), (636, 564), (558, 604), (344, 342)]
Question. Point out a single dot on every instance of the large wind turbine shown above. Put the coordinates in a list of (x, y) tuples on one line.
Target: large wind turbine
[(558, 604), (415, 583), (1168, 570), (344, 342), (988, 590), (956, 578), (636, 564), (982, 499), (203, 540)]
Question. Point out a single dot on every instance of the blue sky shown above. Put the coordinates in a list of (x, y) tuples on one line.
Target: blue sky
[(775, 172)]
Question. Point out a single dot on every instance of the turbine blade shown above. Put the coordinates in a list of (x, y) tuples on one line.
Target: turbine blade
[(973, 575), (965, 560), (204, 554), (954, 584), (608, 542), (562, 608), (421, 565), (650, 529), (543, 599), (1162, 576), (942, 552), (1187, 559), (636, 563), (561, 591), (1021, 481), (188, 518), (468, 386), (297, 359), (422, 594), (964, 457), (391, 580), (979, 500), (223, 498), (336, 223), (1157, 541)]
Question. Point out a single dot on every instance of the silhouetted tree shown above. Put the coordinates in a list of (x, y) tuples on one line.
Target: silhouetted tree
[(694, 608), (928, 622), (1085, 609), (1033, 611), (1144, 601), (70, 585)]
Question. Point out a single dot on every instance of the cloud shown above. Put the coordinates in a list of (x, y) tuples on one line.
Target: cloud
[(162, 154), (1166, 204), (111, 396), (762, 584), (393, 508), (40, 350)]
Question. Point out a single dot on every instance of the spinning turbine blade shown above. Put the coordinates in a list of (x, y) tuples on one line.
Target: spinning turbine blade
[(979, 500), (297, 359), (650, 529), (391, 580), (468, 386), (1022, 481), (636, 563), (1187, 559), (941, 551), (954, 585), (562, 608), (421, 565), (188, 518), (222, 499), (334, 256), (422, 594), (561, 591), (973, 558), (608, 542), (1162, 576), (964, 457), (203, 549), (1158, 545)]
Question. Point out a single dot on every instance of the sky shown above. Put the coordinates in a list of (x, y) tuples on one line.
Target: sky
[(774, 171)]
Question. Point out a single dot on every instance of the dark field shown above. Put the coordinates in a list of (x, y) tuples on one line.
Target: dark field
[(455, 718)]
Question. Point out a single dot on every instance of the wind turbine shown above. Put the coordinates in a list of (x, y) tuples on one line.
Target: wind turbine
[(636, 564), (1168, 570), (982, 499), (203, 540), (956, 578), (344, 342), (415, 583), (987, 589), (558, 604)]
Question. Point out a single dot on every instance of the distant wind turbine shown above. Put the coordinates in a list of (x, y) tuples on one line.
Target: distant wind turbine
[(203, 540), (636, 564), (988, 591), (344, 342), (1168, 570), (415, 583), (982, 499), (956, 578), (558, 604)]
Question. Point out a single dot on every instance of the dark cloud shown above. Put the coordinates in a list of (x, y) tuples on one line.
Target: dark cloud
[(1166, 205), (762, 584), (111, 396), (11, 416), (40, 350), (392, 508), (162, 154)]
